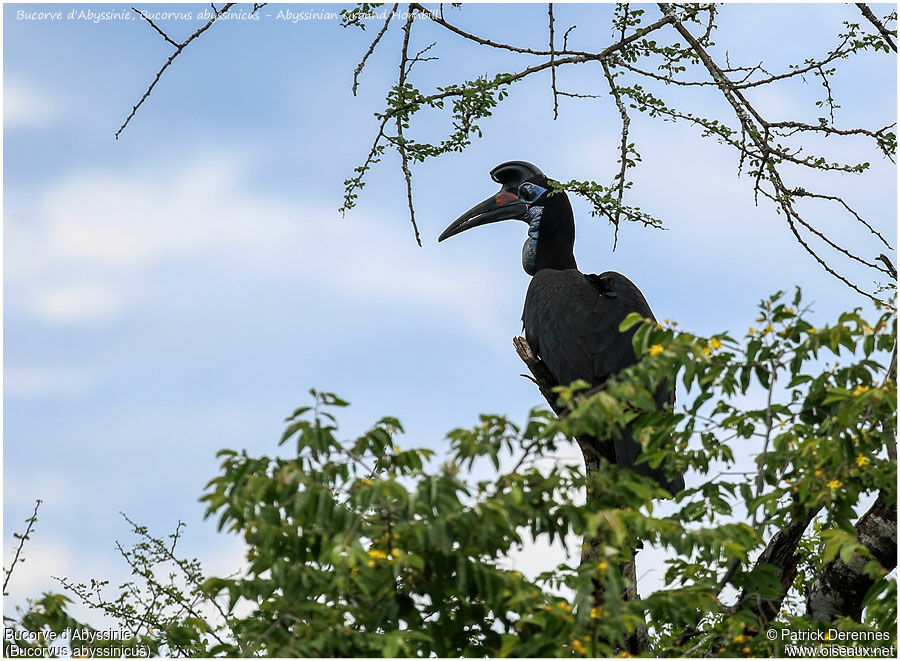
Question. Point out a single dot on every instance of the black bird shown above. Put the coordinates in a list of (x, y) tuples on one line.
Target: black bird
[(571, 319)]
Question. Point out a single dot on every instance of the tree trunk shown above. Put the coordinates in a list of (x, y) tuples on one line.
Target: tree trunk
[(840, 587), (592, 450)]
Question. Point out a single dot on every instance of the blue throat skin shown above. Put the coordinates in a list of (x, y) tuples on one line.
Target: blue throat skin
[(529, 250)]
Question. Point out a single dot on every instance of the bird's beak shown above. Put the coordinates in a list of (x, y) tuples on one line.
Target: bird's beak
[(502, 206)]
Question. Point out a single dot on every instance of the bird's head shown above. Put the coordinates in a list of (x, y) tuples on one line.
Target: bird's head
[(526, 194)]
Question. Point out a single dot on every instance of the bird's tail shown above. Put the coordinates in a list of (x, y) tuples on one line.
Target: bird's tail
[(627, 452)]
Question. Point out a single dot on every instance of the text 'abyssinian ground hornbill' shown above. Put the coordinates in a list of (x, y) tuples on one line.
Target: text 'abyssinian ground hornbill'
[(571, 319)]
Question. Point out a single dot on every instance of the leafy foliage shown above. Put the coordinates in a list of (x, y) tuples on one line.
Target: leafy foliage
[(664, 63), (364, 547)]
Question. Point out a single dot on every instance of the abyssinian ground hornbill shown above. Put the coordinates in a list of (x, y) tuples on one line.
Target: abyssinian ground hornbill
[(571, 319)]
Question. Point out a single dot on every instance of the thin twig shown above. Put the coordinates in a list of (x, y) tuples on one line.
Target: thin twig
[(800, 192), (31, 521), (566, 37), (623, 148), (751, 122), (359, 67), (156, 27), (189, 575), (553, 68), (401, 144), (179, 48), (889, 264)]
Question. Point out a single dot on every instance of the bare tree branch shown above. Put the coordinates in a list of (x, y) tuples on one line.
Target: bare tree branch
[(553, 68), (362, 63), (179, 48)]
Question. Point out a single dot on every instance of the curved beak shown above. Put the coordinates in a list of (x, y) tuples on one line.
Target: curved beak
[(502, 206)]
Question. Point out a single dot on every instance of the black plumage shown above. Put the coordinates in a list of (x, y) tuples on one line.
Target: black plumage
[(571, 320)]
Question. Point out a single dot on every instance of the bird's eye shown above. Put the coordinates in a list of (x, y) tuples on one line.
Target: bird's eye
[(526, 192)]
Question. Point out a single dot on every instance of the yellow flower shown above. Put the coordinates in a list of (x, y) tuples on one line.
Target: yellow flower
[(595, 614), (564, 605), (578, 646), (859, 390), (739, 638), (706, 350), (768, 329), (397, 449), (601, 566), (371, 563), (376, 554), (751, 331), (745, 650), (861, 460), (656, 349), (715, 343), (818, 472), (835, 484), (789, 310), (868, 330)]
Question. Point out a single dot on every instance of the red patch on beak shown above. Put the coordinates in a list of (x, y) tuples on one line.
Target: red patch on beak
[(505, 197)]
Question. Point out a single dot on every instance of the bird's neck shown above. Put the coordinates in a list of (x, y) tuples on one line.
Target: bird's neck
[(550, 244), (558, 260)]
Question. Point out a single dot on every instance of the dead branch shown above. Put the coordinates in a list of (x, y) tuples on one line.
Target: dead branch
[(362, 63), (553, 68), (179, 49)]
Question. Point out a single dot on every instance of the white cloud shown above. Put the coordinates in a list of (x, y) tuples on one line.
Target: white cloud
[(93, 244), (133, 221), (84, 301), (26, 106), (43, 560), (43, 382), (57, 489)]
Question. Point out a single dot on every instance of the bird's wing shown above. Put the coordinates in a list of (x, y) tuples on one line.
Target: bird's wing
[(572, 321)]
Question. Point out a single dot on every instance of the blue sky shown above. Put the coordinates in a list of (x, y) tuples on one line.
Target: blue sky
[(179, 290)]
